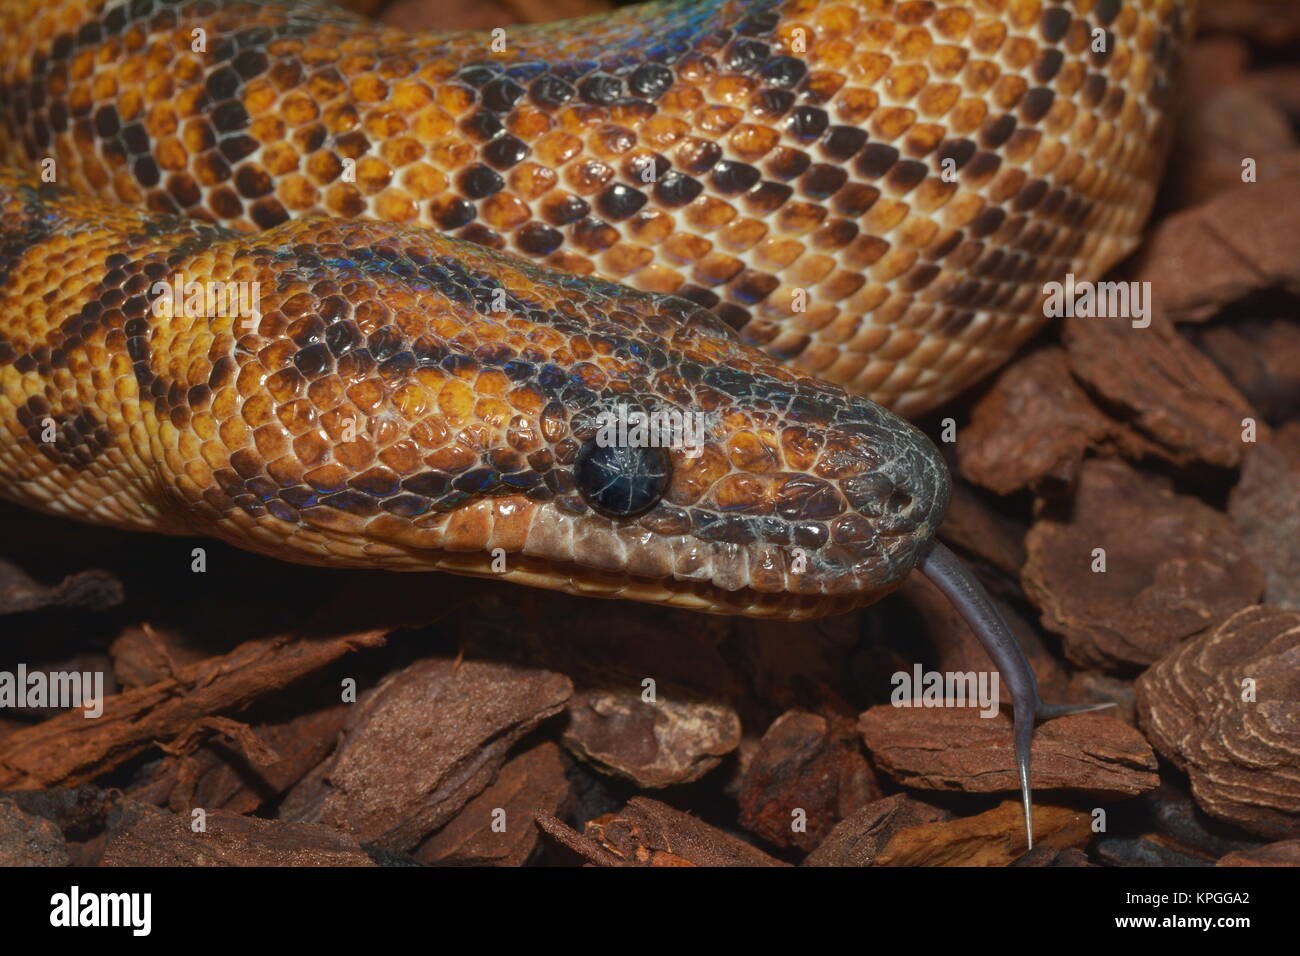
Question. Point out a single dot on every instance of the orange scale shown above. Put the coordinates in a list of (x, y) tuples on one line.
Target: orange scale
[(658, 278), (715, 120), (258, 410), (401, 150), (216, 455), (662, 131), (410, 96), (430, 125), (504, 211), (774, 254), (889, 123), (493, 413), (707, 213), (914, 43), (750, 142), (367, 395), (327, 392), (280, 158), (455, 100), (298, 415), (624, 259), (368, 87), (493, 382), (650, 226), (1008, 91), (456, 401), (532, 180), (1018, 53), (234, 434), (345, 200), (835, 19)]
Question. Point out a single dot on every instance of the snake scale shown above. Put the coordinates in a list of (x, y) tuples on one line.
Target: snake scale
[(785, 216)]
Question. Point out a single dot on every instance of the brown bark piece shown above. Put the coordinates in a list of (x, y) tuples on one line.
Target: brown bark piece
[(649, 833), (859, 839), (68, 750), (1222, 129), (791, 665), (141, 835), (1264, 21), (977, 528), (28, 840), (1282, 853), (993, 838), (531, 783), (1225, 708), (1174, 566), (1051, 857), (226, 774), (1265, 507), (1262, 358), (430, 738), (809, 770), (1281, 84), (677, 737), (1172, 397), (1287, 440), (954, 748), (1032, 426), (78, 812), (577, 844), (144, 655), (89, 590), (1203, 258)]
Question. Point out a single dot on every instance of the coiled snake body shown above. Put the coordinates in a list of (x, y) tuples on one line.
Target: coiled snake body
[(867, 191)]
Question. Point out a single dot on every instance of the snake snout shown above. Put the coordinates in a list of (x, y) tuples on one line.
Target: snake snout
[(895, 488)]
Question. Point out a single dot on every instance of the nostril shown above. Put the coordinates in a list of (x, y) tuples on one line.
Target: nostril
[(900, 500), (869, 494)]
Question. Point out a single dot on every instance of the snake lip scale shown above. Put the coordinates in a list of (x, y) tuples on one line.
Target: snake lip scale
[(785, 216)]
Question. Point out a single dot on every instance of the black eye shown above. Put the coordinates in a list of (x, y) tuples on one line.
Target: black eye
[(622, 482)]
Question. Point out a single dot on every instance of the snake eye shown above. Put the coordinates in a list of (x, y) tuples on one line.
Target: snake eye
[(622, 482)]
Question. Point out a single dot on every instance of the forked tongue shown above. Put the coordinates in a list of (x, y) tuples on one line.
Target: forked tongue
[(946, 571)]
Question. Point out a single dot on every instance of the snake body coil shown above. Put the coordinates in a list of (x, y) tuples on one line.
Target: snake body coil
[(874, 192)]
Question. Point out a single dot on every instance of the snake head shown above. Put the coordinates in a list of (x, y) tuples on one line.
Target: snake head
[(415, 402), (748, 488)]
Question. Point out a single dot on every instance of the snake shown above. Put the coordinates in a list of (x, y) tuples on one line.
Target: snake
[(795, 222)]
